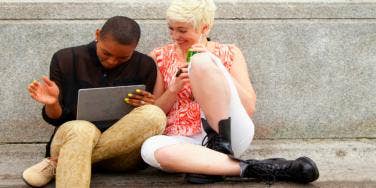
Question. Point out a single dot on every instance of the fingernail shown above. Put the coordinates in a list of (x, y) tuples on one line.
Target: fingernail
[(130, 94), (138, 90), (126, 100)]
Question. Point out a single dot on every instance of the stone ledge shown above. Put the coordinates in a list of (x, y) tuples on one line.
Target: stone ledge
[(227, 9), (338, 161), (154, 178)]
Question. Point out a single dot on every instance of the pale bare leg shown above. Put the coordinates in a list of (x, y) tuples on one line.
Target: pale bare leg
[(189, 158), (210, 89)]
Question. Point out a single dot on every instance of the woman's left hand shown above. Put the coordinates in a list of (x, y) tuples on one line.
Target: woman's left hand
[(139, 98)]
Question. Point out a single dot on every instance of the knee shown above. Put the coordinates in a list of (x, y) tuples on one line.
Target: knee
[(165, 157), (158, 151), (80, 129), (201, 63), (148, 149), (154, 152), (154, 116)]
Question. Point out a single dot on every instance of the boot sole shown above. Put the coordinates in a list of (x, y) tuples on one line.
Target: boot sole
[(316, 173), (202, 179)]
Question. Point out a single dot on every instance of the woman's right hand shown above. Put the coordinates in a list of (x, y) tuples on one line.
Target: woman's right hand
[(46, 93), (181, 79)]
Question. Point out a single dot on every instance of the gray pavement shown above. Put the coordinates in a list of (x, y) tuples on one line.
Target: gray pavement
[(342, 163), (154, 178)]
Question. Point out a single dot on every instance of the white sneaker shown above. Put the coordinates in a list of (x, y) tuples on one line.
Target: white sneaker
[(40, 174)]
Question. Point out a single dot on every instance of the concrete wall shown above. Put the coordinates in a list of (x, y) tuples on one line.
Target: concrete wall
[(312, 63)]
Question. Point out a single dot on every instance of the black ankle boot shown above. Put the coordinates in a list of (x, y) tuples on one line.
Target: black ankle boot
[(301, 170), (220, 142)]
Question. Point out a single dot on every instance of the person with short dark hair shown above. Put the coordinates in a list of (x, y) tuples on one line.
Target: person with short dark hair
[(110, 60)]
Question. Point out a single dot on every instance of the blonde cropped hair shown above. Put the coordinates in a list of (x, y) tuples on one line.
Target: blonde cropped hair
[(197, 12)]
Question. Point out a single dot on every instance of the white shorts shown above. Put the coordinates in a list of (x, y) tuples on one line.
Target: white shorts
[(242, 128)]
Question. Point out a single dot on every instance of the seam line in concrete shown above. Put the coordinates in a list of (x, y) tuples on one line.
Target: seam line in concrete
[(281, 139), (219, 19)]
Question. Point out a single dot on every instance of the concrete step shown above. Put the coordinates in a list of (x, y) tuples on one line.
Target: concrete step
[(342, 163), (154, 178)]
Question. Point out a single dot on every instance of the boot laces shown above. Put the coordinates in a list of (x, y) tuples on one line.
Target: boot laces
[(205, 141), (212, 141), (265, 172), (269, 172)]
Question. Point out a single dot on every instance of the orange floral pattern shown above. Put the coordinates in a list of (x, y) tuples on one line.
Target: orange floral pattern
[(184, 117)]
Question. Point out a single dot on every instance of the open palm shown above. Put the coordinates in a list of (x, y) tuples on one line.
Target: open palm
[(45, 93)]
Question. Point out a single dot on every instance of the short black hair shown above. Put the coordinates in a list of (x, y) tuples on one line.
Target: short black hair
[(122, 29)]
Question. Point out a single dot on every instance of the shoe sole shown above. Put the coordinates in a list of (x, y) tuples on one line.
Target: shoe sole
[(316, 173), (27, 183), (202, 179)]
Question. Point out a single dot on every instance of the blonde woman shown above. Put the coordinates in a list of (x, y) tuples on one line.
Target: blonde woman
[(213, 92)]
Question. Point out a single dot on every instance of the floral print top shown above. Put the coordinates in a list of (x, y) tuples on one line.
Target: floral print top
[(184, 118)]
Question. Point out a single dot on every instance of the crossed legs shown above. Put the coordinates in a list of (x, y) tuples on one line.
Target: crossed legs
[(77, 144), (211, 90)]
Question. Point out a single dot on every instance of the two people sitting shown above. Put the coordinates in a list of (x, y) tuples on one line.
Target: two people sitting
[(196, 122)]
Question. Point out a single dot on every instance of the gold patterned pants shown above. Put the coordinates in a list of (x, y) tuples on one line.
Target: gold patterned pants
[(78, 144)]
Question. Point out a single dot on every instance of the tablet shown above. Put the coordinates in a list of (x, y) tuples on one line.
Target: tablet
[(104, 103)]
